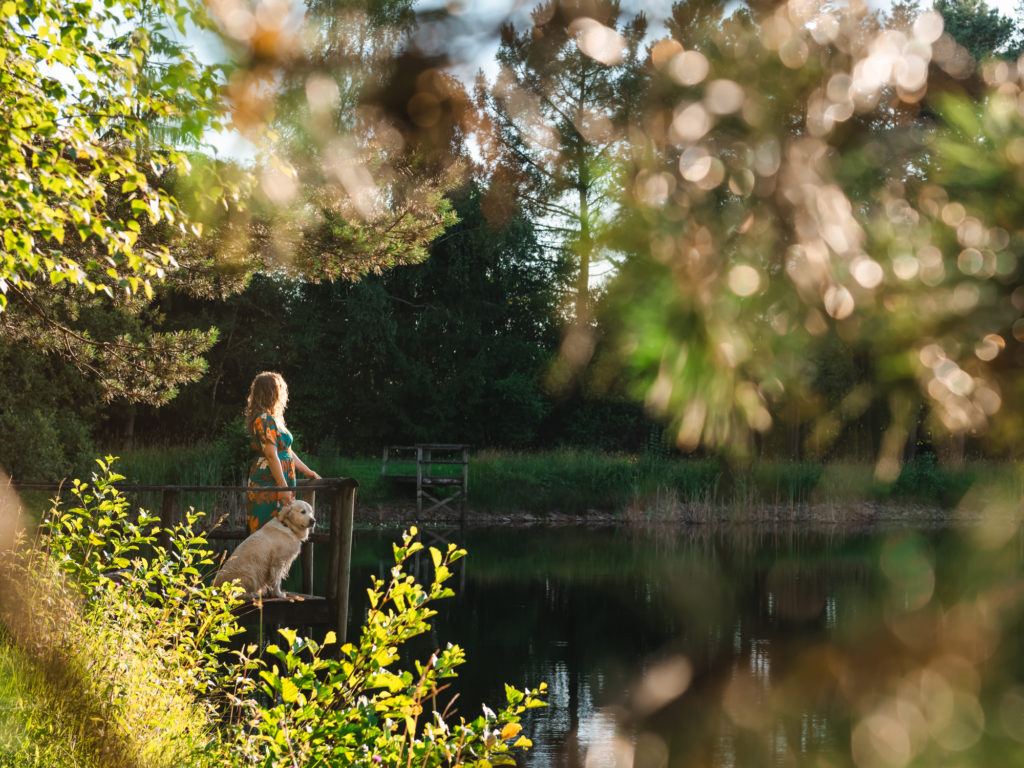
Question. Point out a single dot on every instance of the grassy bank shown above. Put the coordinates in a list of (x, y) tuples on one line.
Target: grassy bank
[(577, 482)]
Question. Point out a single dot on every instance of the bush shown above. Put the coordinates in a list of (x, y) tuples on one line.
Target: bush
[(118, 650), (118, 637), (923, 480), (355, 711)]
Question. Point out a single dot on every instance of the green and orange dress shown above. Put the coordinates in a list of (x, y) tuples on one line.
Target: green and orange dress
[(264, 505)]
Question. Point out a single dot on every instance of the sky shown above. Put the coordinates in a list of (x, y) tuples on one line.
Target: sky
[(482, 18), (474, 40)]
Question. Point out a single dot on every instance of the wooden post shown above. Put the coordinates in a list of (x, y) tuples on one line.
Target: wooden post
[(419, 480), (465, 484), (169, 517), (307, 550), (340, 560), (348, 505), (333, 546)]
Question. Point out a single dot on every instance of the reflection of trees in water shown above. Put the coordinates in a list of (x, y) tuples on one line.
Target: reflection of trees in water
[(635, 604), (786, 604), (748, 647), (855, 663)]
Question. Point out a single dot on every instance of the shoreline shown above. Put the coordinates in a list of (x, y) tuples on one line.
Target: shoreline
[(833, 517)]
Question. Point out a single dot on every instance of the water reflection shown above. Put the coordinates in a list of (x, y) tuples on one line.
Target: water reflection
[(746, 646)]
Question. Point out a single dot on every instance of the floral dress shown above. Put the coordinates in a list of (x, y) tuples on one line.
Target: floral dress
[(264, 504)]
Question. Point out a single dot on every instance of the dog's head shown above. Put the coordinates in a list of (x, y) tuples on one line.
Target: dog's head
[(299, 517)]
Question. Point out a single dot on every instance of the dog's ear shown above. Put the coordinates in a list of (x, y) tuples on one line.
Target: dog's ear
[(286, 511)]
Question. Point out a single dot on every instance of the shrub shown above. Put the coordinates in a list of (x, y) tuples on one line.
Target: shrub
[(121, 654), (119, 637), (356, 711), (925, 481)]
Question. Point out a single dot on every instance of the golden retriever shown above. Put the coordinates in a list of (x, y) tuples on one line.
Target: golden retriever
[(261, 561)]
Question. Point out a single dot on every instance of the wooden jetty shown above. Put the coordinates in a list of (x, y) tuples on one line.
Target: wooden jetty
[(296, 610), (416, 463)]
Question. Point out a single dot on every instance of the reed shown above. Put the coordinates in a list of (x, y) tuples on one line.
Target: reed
[(650, 485)]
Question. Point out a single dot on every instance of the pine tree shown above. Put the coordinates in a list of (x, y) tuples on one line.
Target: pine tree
[(560, 107)]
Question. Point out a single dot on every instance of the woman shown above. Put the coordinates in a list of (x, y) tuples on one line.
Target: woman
[(276, 462)]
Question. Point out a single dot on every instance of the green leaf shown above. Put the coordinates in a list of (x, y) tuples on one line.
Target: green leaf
[(289, 691), (289, 635)]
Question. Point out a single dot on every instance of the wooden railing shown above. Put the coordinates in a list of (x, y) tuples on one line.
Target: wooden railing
[(297, 610)]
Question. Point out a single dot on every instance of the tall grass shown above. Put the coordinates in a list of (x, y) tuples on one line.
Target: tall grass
[(210, 464), (115, 652), (577, 482)]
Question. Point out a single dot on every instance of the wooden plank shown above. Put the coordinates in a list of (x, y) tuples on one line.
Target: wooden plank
[(294, 610), (328, 483), (347, 506)]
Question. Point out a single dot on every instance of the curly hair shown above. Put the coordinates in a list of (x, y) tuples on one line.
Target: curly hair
[(268, 392)]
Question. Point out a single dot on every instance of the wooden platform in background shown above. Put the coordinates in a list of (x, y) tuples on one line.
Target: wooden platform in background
[(415, 464)]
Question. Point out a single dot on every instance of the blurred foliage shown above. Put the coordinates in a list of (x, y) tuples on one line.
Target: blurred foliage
[(800, 173), (342, 189)]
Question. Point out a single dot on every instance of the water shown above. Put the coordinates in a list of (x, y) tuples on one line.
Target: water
[(742, 646)]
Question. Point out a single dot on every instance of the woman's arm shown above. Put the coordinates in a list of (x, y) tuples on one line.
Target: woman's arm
[(299, 465), (274, 462)]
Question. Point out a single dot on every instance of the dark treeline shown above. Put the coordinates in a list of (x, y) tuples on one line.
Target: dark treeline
[(459, 348), (455, 349)]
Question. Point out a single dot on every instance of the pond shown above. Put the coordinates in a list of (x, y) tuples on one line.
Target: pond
[(738, 646)]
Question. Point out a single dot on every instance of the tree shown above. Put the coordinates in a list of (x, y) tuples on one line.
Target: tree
[(451, 349), (980, 29), (108, 200), (61, 89), (476, 326), (85, 206), (559, 106)]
